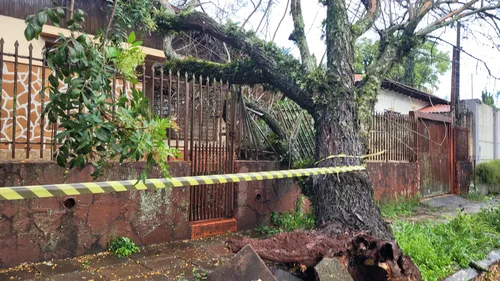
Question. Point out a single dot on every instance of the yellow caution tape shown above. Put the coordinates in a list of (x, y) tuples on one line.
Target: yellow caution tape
[(352, 156), (44, 191)]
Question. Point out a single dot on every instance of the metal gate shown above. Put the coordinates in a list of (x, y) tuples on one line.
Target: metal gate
[(212, 150), (204, 110), (433, 142)]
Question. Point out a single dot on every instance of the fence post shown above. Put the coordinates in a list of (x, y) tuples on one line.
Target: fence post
[(186, 118), (1, 79), (14, 95), (28, 113)]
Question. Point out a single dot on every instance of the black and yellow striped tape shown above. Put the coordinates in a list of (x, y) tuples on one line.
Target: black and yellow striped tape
[(44, 191), (352, 156)]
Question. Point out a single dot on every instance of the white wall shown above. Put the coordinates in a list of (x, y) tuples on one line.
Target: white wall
[(391, 100), (486, 131), (12, 30), (498, 133)]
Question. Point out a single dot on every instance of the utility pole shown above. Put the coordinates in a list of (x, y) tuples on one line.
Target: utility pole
[(455, 81), (471, 86)]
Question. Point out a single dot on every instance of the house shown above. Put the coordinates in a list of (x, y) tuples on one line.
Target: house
[(400, 98)]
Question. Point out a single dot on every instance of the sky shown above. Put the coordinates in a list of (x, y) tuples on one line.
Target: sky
[(474, 76)]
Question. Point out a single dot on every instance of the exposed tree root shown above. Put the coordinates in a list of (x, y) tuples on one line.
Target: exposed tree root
[(366, 257)]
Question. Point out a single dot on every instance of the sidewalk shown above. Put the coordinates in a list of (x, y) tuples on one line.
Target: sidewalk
[(443, 207), (172, 261)]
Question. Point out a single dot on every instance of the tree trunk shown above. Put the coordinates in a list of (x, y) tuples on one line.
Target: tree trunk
[(346, 198)]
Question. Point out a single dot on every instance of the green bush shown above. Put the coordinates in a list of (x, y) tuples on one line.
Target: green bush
[(489, 172), (440, 249), (122, 247)]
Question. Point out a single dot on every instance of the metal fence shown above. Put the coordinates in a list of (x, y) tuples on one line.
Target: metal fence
[(393, 133), (25, 132)]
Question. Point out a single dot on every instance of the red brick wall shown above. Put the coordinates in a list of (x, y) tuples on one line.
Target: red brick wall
[(394, 180), (40, 229), (257, 200)]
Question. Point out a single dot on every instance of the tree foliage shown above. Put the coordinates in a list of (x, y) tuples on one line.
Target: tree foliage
[(489, 98), (421, 68), (97, 126)]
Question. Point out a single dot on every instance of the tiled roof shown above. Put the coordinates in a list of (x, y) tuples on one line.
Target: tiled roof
[(438, 108)]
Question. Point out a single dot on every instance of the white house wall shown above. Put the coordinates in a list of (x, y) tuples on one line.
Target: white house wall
[(394, 101), (486, 130), (497, 140)]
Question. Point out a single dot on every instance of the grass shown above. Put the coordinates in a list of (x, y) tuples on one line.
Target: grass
[(477, 197), (440, 249), (399, 208)]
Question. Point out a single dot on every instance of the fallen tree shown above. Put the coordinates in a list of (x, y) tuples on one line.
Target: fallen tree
[(341, 109), (341, 112)]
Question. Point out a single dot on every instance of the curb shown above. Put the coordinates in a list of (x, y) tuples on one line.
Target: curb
[(471, 273)]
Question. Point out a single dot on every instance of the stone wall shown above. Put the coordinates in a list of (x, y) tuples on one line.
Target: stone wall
[(40, 229), (394, 180), (257, 200)]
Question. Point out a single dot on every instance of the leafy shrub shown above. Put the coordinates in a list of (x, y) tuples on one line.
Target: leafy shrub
[(122, 247), (440, 249), (489, 172)]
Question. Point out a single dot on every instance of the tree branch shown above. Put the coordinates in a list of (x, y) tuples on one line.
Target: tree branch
[(281, 71), (456, 15), (236, 72), (470, 55), (273, 124), (251, 14), (367, 21), (299, 37), (282, 18)]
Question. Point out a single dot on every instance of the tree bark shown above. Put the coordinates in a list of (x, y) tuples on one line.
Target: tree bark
[(344, 198)]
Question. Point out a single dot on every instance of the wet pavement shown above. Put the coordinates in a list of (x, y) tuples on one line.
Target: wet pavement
[(443, 207), (177, 261)]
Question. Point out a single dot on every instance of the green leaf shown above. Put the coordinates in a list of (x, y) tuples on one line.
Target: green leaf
[(80, 162), (131, 38), (29, 32), (29, 18), (54, 82), (63, 134), (103, 135), (53, 17), (71, 52), (36, 26), (60, 12), (42, 18), (61, 159)]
